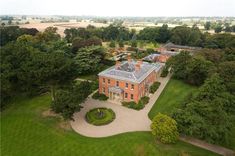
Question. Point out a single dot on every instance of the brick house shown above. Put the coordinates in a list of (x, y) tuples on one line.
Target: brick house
[(129, 80)]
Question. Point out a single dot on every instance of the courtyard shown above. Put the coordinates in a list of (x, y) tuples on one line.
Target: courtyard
[(127, 120)]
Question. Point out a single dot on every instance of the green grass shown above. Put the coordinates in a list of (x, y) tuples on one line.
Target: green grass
[(25, 132), (91, 77), (96, 118), (171, 97)]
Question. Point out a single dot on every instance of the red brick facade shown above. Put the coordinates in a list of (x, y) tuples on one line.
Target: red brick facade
[(131, 91)]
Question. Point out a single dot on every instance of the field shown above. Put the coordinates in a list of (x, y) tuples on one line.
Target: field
[(61, 26), (27, 131), (171, 97)]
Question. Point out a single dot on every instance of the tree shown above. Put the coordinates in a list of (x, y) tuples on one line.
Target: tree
[(179, 64), (226, 70), (67, 102), (112, 44), (198, 70), (11, 33), (82, 43), (221, 41), (184, 35), (204, 114), (164, 128), (164, 34), (88, 59), (121, 44), (207, 25), (233, 28), (115, 32), (227, 28), (218, 28), (148, 34), (50, 34), (134, 44), (180, 35), (49, 69), (212, 55)]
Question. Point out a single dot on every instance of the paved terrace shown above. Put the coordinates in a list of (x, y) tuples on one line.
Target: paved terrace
[(127, 120)]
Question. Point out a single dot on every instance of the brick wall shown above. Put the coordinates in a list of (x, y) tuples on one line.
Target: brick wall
[(138, 91)]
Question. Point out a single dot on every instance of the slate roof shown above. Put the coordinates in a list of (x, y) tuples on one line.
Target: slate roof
[(151, 57), (127, 71), (172, 45)]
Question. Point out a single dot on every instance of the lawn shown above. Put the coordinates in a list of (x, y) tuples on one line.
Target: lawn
[(171, 97), (26, 132)]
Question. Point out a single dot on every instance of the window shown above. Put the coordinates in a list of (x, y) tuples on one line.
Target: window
[(126, 95), (103, 80), (108, 81), (132, 86), (103, 89), (126, 85), (117, 83), (132, 96)]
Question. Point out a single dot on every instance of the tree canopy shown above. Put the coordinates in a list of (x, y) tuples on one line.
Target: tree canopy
[(164, 128)]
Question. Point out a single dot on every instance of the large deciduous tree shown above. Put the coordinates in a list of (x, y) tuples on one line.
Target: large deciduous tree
[(164, 128), (88, 59), (207, 114), (68, 101)]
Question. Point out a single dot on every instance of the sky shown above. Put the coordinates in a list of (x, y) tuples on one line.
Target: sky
[(141, 8)]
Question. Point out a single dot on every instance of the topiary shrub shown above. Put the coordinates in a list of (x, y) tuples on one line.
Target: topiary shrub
[(144, 100), (164, 128), (154, 87), (98, 96), (133, 105), (164, 72)]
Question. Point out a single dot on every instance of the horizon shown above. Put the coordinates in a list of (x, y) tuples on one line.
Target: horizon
[(122, 8), (115, 16)]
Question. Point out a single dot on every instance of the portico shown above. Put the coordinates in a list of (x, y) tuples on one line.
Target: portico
[(116, 94)]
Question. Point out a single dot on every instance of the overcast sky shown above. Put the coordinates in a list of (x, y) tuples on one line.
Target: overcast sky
[(119, 7)]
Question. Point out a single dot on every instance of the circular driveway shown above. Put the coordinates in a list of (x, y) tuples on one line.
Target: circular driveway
[(127, 120)]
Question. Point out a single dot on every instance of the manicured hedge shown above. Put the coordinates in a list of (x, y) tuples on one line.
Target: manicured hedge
[(154, 87), (133, 105), (98, 96), (145, 100), (137, 106), (164, 72)]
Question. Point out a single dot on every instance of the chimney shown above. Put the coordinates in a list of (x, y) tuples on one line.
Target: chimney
[(140, 62), (137, 67), (129, 58), (117, 66)]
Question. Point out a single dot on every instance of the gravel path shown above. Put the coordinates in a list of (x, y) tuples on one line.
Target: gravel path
[(127, 120)]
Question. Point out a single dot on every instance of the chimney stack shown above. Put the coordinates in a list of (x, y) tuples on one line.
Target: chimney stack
[(117, 66), (140, 61), (137, 67), (129, 58)]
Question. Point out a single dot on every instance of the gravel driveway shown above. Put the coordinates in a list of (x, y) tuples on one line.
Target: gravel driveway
[(127, 120)]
